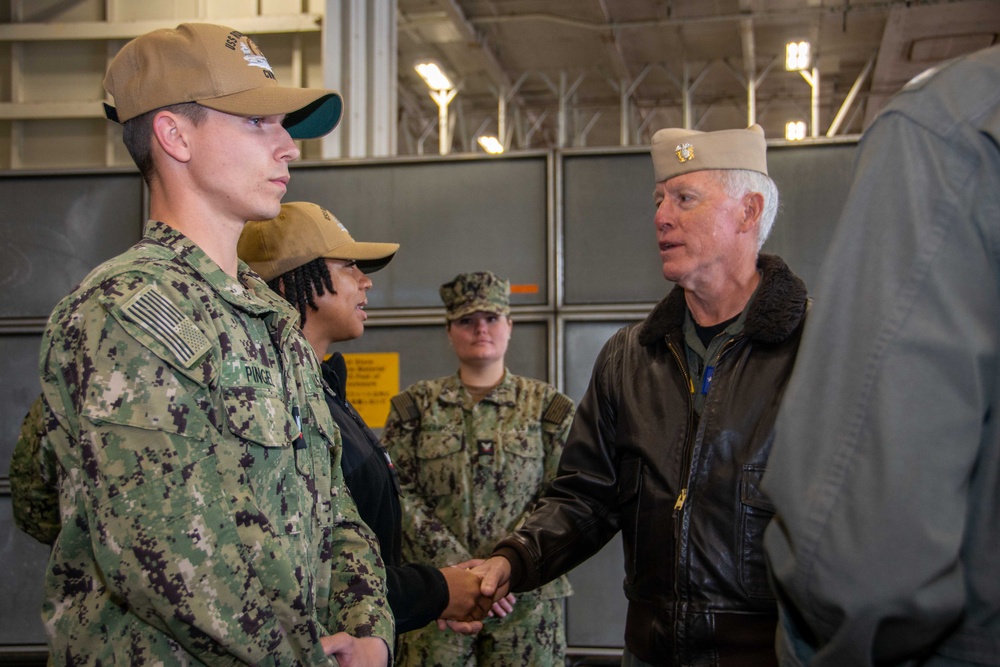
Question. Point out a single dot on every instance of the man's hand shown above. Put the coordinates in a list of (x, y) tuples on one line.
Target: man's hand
[(465, 603), (503, 606), (460, 627), (495, 573), (356, 652)]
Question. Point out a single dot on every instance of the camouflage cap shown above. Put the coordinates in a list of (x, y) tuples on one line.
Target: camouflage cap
[(482, 291)]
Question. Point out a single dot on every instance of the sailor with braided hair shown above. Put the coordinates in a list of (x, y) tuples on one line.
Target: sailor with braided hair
[(300, 286), (306, 255)]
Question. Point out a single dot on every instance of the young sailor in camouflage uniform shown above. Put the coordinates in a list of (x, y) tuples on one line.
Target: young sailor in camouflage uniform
[(474, 451), (203, 518)]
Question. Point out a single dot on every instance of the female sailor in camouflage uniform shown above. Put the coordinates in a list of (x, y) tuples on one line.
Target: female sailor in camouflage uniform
[(474, 451)]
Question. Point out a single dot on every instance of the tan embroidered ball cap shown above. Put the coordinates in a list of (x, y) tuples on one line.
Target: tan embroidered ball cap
[(469, 293), (217, 67), (678, 151), (301, 233)]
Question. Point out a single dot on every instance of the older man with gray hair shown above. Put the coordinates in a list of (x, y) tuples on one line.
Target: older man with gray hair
[(672, 437)]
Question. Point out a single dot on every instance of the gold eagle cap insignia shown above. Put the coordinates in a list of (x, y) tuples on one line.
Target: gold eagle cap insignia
[(685, 152)]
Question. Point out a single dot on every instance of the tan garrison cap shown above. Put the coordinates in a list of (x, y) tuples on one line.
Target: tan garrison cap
[(301, 233), (474, 292), (217, 67), (678, 151)]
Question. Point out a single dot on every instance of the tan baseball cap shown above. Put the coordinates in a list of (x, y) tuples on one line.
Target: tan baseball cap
[(482, 291), (678, 151), (301, 233), (217, 67)]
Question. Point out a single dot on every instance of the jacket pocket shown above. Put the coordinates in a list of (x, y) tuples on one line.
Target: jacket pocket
[(756, 511), (176, 535), (267, 432), (522, 465), (440, 464), (259, 417)]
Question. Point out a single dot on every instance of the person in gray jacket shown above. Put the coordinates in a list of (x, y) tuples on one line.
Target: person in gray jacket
[(885, 474)]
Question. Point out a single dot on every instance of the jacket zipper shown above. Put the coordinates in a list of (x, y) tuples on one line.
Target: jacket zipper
[(689, 440), (692, 436), (679, 604)]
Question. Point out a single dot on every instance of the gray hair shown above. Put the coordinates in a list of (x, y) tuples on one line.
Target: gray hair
[(740, 182)]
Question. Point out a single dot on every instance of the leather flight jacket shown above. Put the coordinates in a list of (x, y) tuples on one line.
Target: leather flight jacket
[(683, 491)]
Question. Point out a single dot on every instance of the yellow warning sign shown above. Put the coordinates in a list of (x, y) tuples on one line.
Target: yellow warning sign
[(372, 380)]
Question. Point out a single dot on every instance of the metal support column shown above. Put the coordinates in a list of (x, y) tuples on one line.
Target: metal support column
[(443, 98), (851, 96), (353, 29), (626, 89), (812, 78)]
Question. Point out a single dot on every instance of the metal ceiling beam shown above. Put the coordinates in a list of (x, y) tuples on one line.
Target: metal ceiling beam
[(493, 67), (851, 96), (749, 67), (470, 34), (254, 25), (762, 14), (614, 48), (619, 63)]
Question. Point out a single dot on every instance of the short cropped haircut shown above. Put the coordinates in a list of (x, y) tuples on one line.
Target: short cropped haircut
[(303, 284), (137, 134), (740, 182)]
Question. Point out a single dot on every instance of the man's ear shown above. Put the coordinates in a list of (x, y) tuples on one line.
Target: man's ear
[(170, 132), (753, 209)]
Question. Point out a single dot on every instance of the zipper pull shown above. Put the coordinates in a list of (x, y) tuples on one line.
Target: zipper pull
[(679, 505)]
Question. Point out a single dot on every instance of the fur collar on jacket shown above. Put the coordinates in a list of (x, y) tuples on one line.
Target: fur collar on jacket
[(776, 311)]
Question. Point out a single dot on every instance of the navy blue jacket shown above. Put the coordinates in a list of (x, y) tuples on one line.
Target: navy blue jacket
[(418, 593)]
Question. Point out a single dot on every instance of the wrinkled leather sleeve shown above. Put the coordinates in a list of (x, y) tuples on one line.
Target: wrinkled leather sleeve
[(578, 513)]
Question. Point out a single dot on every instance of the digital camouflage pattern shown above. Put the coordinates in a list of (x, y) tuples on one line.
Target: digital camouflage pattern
[(474, 292), (33, 480), (470, 473), (198, 527), (532, 635)]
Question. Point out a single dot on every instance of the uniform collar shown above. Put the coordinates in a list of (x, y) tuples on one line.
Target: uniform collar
[(249, 292), (453, 392)]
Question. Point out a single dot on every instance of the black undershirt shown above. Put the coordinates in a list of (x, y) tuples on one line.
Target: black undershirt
[(706, 334)]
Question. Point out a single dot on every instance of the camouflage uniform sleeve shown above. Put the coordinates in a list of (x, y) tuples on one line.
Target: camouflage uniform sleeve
[(33, 483), (425, 538), (556, 420), (557, 417), (358, 597), (161, 515)]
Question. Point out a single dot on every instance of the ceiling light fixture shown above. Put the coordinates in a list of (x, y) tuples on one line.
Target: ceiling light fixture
[(491, 144), (442, 92), (798, 56), (433, 76), (795, 130)]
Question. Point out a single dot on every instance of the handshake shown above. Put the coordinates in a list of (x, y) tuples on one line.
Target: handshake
[(477, 588)]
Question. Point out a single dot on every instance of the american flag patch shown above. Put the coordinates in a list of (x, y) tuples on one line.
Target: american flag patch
[(161, 318), (557, 410)]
